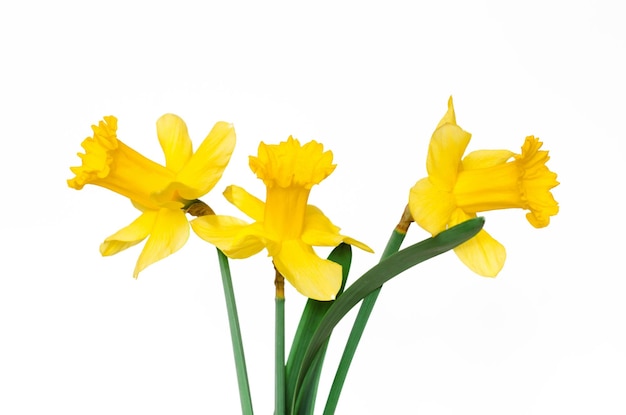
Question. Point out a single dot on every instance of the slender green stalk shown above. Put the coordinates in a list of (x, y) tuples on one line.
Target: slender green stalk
[(393, 245), (279, 394), (235, 334)]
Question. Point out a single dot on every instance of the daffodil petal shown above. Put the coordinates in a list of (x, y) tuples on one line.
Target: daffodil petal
[(291, 164), (139, 206), (175, 141), (447, 145), (169, 233), (97, 159), (486, 158), (311, 275), (318, 230), (482, 254), (234, 237), (449, 117), (129, 236), (244, 201), (170, 197), (430, 206), (206, 165), (358, 244), (538, 180)]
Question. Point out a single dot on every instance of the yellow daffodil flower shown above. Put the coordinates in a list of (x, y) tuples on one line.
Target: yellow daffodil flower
[(161, 193), (284, 224), (457, 188)]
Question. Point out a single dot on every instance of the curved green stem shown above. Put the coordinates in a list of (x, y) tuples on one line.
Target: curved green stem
[(235, 334), (279, 390)]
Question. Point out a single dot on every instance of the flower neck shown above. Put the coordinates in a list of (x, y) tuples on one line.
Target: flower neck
[(497, 187), (523, 183), (284, 211), (135, 176)]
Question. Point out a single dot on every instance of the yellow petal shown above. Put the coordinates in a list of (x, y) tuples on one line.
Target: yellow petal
[(169, 233), (481, 159), (450, 116), (358, 244), (234, 237), (320, 231), (130, 235), (431, 206), (447, 145), (175, 141), (537, 182), (170, 196), (96, 161), (291, 164), (207, 164), (482, 254), (311, 275), (244, 201)]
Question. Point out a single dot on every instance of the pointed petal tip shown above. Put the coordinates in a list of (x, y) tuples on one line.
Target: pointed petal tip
[(450, 116), (358, 244)]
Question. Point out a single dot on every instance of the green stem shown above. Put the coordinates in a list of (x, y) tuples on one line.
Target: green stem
[(279, 390), (235, 334), (393, 245)]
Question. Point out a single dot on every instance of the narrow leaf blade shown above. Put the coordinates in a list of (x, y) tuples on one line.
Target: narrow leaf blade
[(376, 277), (311, 317)]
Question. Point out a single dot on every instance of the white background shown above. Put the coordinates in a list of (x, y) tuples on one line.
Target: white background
[(79, 336)]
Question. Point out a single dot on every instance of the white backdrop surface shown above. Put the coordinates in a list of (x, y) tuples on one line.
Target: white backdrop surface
[(370, 80)]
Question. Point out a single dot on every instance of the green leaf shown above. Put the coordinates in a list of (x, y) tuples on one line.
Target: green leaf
[(311, 317), (375, 278), (358, 327)]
